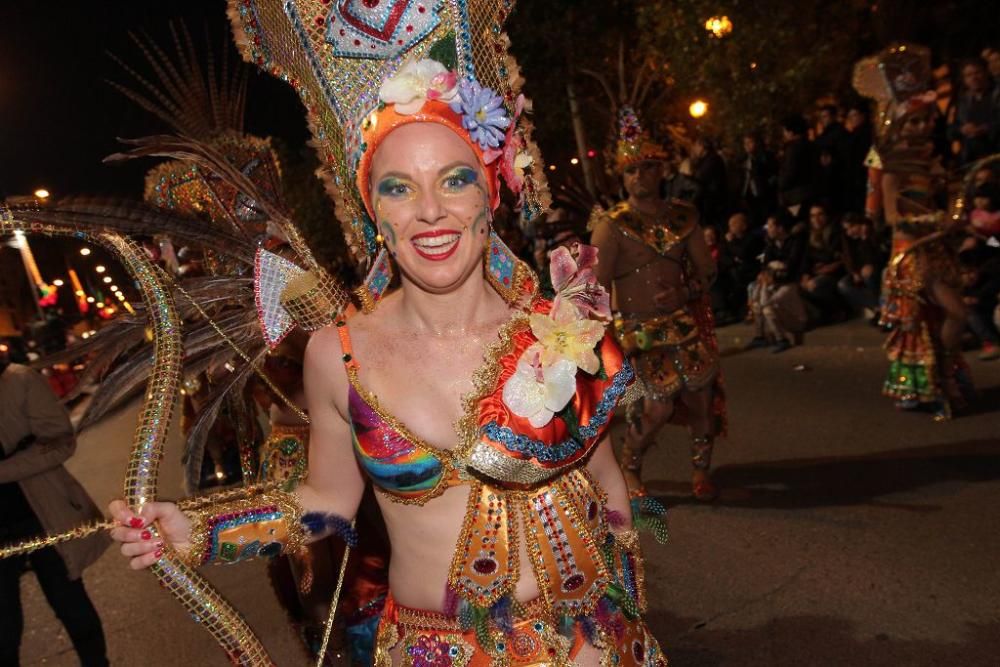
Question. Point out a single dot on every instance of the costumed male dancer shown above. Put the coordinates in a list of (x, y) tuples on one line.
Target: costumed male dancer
[(654, 257), (923, 303)]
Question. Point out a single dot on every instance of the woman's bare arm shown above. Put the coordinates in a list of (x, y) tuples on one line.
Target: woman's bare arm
[(604, 468), (335, 483)]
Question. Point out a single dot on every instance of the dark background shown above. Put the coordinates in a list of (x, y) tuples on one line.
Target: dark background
[(59, 117)]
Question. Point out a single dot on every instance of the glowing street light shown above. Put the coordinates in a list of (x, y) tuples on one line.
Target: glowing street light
[(698, 108), (84, 251), (113, 288), (107, 280), (574, 161), (90, 299), (719, 26), (41, 193), (58, 282), (552, 167), (100, 268)]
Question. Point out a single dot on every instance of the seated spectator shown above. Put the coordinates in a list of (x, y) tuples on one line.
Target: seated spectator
[(739, 255), (862, 264), (823, 266), (784, 243), (980, 288), (779, 314)]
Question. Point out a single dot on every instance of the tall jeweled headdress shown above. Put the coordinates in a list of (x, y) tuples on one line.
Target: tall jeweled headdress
[(899, 80), (635, 144), (363, 67)]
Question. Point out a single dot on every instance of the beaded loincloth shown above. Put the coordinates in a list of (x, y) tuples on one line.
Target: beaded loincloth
[(669, 353)]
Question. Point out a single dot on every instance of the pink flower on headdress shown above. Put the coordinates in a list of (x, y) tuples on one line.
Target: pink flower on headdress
[(572, 273), (513, 158), (416, 82), (443, 87)]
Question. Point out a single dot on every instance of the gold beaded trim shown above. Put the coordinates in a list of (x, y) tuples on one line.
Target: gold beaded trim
[(314, 299)]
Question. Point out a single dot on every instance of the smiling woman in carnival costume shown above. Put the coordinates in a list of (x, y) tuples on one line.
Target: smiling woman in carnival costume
[(476, 408)]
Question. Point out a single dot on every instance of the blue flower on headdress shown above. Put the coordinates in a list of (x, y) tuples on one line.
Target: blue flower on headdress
[(483, 113)]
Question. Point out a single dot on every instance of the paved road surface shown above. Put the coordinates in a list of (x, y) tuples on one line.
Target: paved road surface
[(848, 533)]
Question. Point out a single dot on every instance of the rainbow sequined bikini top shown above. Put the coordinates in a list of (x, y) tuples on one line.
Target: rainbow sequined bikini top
[(494, 443), (526, 484)]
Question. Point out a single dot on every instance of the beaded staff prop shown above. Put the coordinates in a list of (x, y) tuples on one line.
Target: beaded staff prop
[(201, 600)]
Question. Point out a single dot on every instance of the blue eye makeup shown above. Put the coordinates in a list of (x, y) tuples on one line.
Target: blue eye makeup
[(392, 187), (460, 177)]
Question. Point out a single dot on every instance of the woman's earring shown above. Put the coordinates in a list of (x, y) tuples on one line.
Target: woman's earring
[(378, 279), (503, 269)]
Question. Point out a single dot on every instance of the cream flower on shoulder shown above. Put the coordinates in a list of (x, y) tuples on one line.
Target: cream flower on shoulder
[(566, 335), (536, 392), (416, 82)]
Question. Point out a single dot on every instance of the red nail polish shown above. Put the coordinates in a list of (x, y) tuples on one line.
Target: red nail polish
[(146, 534), (135, 522), (158, 553)]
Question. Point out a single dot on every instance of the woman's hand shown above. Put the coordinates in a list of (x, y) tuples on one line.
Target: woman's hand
[(136, 538)]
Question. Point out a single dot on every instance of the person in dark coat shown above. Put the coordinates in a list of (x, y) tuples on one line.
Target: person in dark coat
[(39, 496), (758, 180), (709, 170), (797, 171), (976, 125)]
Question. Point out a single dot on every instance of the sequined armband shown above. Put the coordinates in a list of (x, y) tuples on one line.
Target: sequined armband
[(265, 524)]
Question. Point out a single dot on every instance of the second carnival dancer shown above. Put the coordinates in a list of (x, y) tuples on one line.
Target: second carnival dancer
[(923, 302), (654, 256), (477, 409)]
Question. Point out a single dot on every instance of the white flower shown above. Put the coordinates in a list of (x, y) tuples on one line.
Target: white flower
[(537, 392), (416, 82)]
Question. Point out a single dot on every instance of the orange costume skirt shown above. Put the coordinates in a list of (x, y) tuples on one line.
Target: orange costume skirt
[(431, 639)]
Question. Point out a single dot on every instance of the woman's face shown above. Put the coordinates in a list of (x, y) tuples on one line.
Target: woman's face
[(431, 204)]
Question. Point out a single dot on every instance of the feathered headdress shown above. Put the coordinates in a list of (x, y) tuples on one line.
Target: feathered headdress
[(631, 142), (363, 68)]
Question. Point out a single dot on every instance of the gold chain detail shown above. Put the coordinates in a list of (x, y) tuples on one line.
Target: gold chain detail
[(38, 543), (333, 604)]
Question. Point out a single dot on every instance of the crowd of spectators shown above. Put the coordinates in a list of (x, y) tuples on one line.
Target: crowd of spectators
[(785, 219), (787, 226)]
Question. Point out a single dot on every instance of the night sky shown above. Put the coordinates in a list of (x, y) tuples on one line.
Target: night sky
[(59, 117)]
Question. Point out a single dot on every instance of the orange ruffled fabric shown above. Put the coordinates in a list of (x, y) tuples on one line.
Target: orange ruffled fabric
[(590, 391)]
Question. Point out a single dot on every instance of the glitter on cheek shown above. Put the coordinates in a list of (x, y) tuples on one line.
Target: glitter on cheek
[(388, 233)]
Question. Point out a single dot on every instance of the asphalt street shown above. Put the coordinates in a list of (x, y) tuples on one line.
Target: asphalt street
[(847, 532)]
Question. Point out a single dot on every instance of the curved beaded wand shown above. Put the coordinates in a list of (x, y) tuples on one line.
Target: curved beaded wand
[(202, 601)]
